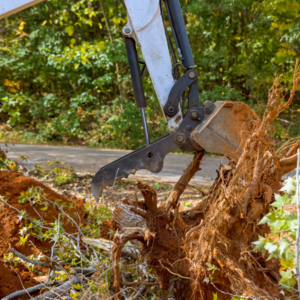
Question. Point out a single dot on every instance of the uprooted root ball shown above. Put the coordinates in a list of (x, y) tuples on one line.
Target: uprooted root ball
[(209, 248)]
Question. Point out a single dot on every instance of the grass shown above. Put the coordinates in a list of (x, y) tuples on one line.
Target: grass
[(64, 178), (160, 186)]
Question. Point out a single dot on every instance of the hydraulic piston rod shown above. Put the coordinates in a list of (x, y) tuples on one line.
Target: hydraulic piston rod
[(136, 78)]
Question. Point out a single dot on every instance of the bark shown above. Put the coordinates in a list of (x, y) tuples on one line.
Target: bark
[(293, 149), (255, 180), (287, 164)]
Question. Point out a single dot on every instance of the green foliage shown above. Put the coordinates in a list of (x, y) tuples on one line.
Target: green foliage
[(63, 179), (215, 296), (211, 269), (7, 164), (160, 186), (96, 214), (64, 247), (280, 242), (64, 74), (33, 195), (63, 176)]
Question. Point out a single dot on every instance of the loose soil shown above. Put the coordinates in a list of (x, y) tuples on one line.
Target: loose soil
[(11, 185)]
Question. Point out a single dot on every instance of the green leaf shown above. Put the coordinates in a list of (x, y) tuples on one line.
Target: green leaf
[(63, 276), (289, 254), (264, 220), (69, 30), (271, 247), (294, 199), (289, 185), (287, 278), (259, 245), (286, 264), (77, 287), (215, 296), (283, 245), (281, 200)]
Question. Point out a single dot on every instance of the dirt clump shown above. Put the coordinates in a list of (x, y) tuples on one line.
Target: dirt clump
[(10, 282)]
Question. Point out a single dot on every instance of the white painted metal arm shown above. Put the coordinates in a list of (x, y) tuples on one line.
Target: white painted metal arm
[(9, 7), (148, 31)]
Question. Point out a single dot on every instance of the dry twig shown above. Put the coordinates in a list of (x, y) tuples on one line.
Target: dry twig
[(61, 289)]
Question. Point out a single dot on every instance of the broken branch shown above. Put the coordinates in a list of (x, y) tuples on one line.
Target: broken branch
[(35, 262), (119, 242), (185, 178), (139, 283), (28, 290), (61, 289)]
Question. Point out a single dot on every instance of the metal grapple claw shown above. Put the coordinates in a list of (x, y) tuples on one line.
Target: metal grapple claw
[(150, 158)]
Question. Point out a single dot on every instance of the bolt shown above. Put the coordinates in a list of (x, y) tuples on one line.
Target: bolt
[(127, 30), (208, 106), (207, 110), (180, 138), (192, 75), (194, 115), (189, 127)]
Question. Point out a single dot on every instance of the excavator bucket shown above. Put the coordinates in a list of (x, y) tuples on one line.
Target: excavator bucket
[(225, 128)]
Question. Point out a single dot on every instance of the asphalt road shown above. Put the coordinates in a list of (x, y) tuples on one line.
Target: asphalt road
[(90, 160)]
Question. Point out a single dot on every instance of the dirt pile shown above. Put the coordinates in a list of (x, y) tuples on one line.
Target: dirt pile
[(11, 186)]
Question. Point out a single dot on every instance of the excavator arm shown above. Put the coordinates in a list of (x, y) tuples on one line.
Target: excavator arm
[(220, 127)]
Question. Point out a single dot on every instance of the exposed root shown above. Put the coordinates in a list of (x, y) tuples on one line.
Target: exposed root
[(182, 183), (120, 239)]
